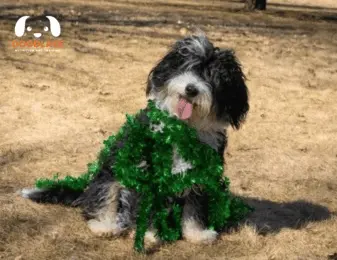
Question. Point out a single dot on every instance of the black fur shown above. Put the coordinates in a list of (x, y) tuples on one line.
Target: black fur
[(91, 200), (55, 196)]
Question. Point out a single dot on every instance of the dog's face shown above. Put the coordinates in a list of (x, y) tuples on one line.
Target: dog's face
[(201, 84)]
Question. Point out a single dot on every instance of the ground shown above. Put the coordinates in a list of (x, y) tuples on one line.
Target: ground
[(56, 108)]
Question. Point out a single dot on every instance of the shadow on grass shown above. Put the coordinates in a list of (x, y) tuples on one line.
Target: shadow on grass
[(271, 217), (310, 7)]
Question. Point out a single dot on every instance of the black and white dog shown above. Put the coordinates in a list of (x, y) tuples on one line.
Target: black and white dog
[(195, 82)]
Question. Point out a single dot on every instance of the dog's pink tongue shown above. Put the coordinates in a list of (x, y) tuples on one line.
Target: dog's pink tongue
[(184, 109)]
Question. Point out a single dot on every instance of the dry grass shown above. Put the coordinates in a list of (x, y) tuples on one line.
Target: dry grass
[(56, 108)]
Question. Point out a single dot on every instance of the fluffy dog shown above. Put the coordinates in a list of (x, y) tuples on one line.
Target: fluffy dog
[(198, 83)]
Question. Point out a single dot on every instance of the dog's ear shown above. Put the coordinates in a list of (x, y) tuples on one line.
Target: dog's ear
[(20, 26), (163, 71), (149, 84), (55, 27), (231, 92)]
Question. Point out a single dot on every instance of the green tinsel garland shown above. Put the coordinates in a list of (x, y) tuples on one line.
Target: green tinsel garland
[(155, 182)]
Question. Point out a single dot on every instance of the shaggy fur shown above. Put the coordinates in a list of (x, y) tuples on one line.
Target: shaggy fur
[(212, 81)]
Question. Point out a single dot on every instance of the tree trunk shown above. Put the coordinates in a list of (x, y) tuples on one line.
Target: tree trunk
[(256, 4), (260, 4)]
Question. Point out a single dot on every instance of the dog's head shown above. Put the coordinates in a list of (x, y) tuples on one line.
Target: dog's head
[(201, 84), (37, 26)]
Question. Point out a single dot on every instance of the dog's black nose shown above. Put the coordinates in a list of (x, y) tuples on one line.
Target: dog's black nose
[(191, 90)]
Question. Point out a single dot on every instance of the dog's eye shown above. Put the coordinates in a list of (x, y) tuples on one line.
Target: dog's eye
[(46, 28), (29, 28)]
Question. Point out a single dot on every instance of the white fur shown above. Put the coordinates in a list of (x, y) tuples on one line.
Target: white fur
[(202, 117), (177, 85), (179, 165), (25, 193), (151, 238), (157, 128), (168, 100), (104, 227), (195, 233)]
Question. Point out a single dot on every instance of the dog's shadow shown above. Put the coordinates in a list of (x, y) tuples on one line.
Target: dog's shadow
[(271, 217)]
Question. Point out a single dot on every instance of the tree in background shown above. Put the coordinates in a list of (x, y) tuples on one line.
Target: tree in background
[(256, 4)]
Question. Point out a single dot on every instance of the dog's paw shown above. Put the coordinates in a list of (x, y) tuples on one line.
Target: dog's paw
[(150, 237), (104, 228), (205, 236)]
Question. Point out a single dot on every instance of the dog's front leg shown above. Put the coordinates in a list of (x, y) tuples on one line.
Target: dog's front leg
[(192, 226), (102, 206)]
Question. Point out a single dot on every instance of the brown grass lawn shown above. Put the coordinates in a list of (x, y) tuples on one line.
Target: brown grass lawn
[(56, 109)]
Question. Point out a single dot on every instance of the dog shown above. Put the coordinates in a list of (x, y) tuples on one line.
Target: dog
[(195, 82), (37, 26)]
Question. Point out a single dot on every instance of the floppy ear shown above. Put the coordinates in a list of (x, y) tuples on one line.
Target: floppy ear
[(55, 27), (20, 26), (162, 72), (232, 96)]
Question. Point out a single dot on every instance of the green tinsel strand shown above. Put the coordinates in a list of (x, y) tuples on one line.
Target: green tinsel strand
[(168, 223), (155, 182), (69, 182), (219, 209), (145, 207)]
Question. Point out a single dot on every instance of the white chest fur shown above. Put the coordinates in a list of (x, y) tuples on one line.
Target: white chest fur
[(179, 164)]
